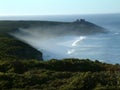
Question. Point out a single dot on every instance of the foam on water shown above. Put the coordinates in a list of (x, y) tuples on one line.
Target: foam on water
[(104, 47)]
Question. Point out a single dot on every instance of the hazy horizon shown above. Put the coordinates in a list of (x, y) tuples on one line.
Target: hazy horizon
[(103, 47)]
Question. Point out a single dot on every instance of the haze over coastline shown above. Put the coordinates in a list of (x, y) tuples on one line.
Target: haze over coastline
[(103, 13), (93, 47)]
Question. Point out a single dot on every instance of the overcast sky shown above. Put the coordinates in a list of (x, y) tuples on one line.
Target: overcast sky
[(58, 7)]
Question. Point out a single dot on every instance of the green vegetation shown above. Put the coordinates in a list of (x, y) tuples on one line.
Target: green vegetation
[(20, 68), (67, 74), (11, 48), (14, 49)]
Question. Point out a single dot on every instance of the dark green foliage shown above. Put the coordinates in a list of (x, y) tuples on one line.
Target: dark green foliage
[(47, 75), (73, 65), (11, 48)]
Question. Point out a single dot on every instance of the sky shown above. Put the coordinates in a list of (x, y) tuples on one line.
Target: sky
[(58, 7)]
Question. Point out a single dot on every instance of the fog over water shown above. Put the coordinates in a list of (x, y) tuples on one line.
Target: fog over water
[(104, 47)]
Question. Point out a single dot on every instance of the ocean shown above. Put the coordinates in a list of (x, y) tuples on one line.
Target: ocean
[(103, 47)]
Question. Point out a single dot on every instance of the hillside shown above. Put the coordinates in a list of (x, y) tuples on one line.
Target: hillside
[(67, 74), (15, 48), (80, 27), (11, 48), (22, 66)]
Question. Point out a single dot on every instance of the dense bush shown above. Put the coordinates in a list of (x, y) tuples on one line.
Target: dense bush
[(68, 74)]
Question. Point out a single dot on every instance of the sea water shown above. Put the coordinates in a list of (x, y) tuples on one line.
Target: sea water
[(103, 47)]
